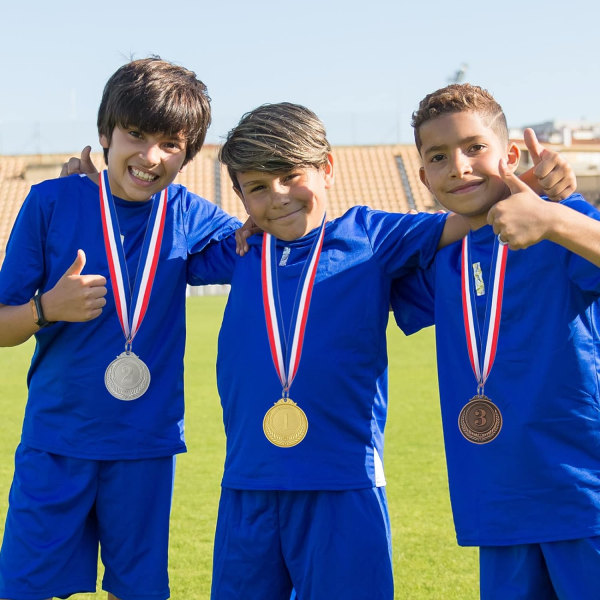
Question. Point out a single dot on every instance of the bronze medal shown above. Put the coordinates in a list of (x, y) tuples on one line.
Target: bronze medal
[(480, 420), (285, 424), (127, 377)]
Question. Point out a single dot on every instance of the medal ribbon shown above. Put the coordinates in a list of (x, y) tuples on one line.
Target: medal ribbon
[(482, 368), (287, 364), (139, 297)]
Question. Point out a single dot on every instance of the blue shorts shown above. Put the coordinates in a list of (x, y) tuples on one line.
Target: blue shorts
[(565, 570), (61, 508), (323, 544)]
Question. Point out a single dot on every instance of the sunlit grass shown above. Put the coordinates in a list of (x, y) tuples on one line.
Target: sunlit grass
[(427, 562)]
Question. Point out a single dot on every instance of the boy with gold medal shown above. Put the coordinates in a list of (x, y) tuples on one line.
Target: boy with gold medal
[(305, 323)]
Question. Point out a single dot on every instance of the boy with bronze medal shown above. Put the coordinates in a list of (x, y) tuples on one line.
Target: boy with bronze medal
[(102, 423), (520, 327)]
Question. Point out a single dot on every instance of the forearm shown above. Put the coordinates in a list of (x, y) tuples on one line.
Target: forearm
[(455, 228), (575, 231), (16, 324)]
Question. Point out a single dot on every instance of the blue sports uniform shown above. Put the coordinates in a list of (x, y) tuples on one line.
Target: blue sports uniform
[(69, 412), (539, 480), (341, 385)]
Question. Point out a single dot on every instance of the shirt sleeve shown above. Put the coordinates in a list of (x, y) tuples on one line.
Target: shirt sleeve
[(206, 223), (413, 300), (22, 270), (215, 264), (582, 272), (403, 242)]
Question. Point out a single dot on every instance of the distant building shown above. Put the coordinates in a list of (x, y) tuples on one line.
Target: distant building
[(567, 133)]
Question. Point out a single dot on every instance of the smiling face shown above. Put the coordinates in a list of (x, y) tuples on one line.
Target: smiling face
[(142, 164), (287, 205), (461, 156)]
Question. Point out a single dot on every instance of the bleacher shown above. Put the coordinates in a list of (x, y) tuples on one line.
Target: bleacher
[(385, 177)]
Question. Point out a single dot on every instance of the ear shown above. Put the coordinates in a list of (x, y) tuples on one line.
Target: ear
[(329, 171), (513, 156), (423, 178), (104, 141)]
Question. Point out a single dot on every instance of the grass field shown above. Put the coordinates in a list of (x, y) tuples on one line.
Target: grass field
[(427, 562)]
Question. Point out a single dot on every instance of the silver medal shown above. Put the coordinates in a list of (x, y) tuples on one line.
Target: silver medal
[(127, 377)]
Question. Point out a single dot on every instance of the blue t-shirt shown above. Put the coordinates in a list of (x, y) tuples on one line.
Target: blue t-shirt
[(539, 480), (341, 383), (69, 411)]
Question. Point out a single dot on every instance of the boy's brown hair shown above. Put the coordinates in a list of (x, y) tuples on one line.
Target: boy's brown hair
[(275, 138), (460, 97), (156, 96)]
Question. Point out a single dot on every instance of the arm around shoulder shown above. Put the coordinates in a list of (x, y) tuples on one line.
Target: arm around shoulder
[(455, 228)]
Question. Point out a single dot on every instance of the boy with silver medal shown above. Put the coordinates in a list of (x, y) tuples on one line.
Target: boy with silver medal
[(93, 469)]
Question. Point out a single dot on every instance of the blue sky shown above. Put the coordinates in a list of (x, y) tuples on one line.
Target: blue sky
[(361, 66)]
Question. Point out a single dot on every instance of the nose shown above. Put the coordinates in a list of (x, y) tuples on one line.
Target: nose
[(279, 194), (151, 153), (459, 164)]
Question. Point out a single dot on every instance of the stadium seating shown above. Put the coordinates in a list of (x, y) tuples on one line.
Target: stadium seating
[(384, 177)]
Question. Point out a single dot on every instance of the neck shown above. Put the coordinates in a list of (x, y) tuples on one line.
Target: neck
[(477, 222)]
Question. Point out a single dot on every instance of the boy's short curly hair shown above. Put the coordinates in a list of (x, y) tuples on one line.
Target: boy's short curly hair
[(156, 96), (460, 97), (275, 138)]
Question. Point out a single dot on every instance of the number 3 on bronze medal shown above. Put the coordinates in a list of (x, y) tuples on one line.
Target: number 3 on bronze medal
[(480, 420)]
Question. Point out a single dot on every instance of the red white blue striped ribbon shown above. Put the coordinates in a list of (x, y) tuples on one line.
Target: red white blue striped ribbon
[(286, 358), (483, 365), (131, 305)]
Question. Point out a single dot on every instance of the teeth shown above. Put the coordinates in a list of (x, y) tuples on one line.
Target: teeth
[(143, 175)]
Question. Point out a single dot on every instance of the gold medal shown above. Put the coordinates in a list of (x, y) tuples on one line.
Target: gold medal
[(285, 424), (480, 420)]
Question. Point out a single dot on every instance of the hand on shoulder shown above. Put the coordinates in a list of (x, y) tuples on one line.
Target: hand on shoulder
[(551, 174), (81, 165)]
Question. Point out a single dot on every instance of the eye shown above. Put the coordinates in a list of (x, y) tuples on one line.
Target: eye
[(174, 145), (290, 177), (436, 158), (256, 188), (135, 133), (475, 148)]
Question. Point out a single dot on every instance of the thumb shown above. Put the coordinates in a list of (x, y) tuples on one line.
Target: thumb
[(534, 147), (87, 166), (515, 185), (78, 264)]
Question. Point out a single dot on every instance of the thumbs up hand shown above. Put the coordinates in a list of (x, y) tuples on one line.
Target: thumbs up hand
[(75, 297), (80, 165), (522, 219), (554, 175)]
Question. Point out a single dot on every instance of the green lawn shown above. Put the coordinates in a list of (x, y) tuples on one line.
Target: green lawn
[(428, 564)]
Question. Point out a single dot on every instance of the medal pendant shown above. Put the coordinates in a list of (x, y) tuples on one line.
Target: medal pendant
[(285, 424), (480, 420), (127, 377)]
